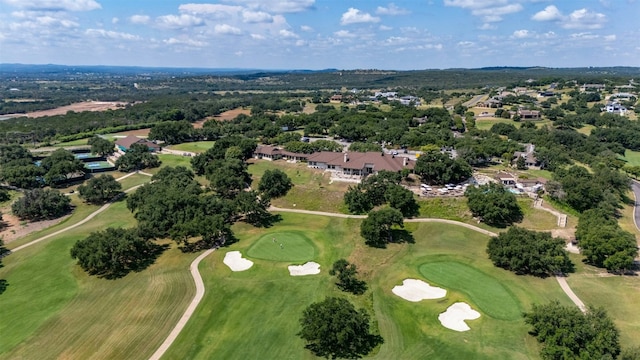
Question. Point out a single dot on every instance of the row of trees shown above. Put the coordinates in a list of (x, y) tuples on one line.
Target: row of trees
[(18, 167)]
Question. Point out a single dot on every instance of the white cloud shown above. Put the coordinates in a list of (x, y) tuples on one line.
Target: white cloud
[(254, 17), (55, 5), (474, 4), (277, 6), (584, 36), (216, 10), (111, 34), (257, 36), (550, 13), (115, 20), (344, 34), (521, 34), (288, 34), (584, 19), (495, 14), (385, 28), (306, 28), (226, 29), (140, 19), (301, 43), (391, 9), (610, 37), (465, 44), (355, 16), (178, 21), (487, 26), (579, 19), (188, 42)]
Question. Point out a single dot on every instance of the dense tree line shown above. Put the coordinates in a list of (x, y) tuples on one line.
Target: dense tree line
[(529, 252), (603, 243), (566, 333), (41, 204)]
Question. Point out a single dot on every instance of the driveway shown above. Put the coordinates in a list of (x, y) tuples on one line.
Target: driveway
[(635, 186)]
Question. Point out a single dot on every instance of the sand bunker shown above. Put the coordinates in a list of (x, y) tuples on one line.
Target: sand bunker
[(417, 290), (235, 262), (455, 316), (310, 268)]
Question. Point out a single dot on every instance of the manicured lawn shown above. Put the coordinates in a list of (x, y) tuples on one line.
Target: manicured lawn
[(632, 157), (487, 123), (617, 294), (52, 309), (485, 291), (73, 143), (196, 146), (267, 303), (286, 246)]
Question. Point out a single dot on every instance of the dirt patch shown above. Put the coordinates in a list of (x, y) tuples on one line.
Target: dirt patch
[(79, 107), (225, 116), (16, 229), (139, 132)]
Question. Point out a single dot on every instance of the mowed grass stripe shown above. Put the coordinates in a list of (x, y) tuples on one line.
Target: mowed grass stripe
[(485, 291), (289, 246), (52, 309)]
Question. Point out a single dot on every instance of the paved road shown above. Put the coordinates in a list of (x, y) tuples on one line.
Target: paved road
[(192, 307), (471, 103), (635, 186), (561, 279), (83, 221)]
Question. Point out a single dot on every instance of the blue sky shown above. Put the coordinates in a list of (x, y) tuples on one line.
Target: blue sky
[(318, 34)]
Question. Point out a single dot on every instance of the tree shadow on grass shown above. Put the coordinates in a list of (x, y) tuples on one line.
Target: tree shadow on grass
[(265, 221), (137, 264), (3, 285), (402, 236)]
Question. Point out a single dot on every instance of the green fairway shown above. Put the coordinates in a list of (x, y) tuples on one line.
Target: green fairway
[(486, 292), (283, 246), (262, 319), (195, 147), (632, 157)]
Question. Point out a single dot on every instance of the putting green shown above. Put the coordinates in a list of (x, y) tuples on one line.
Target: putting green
[(484, 290), (290, 246)]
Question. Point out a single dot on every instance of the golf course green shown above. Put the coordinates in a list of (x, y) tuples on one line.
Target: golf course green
[(286, 246)]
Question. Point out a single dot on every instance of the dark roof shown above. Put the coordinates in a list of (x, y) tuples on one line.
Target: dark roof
[(358, 160), (131, 139), (267, 150)]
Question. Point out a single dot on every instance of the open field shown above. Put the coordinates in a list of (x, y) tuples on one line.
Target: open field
[(327, 196), (196, 146), (225, 116)]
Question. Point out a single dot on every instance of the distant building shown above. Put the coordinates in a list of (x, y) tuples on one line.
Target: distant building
[(615, 108), (529, 114), (358, 163), (125, 143)]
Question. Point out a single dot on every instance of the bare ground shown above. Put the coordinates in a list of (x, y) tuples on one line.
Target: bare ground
[(77, 107), (225, 116), (15, 228)]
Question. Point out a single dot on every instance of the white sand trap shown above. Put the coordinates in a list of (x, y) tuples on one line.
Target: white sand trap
[(310, 268), (416, 290), (455, 316), (235, 262)]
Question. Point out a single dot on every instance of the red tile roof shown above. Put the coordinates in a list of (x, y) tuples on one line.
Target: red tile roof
[(359, 160)]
